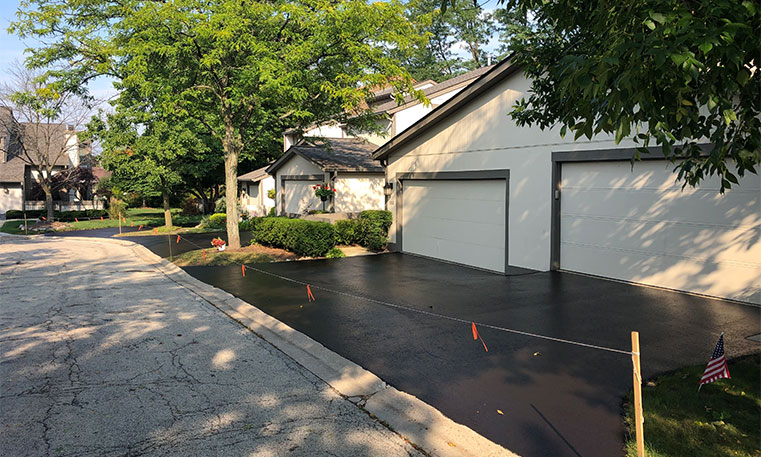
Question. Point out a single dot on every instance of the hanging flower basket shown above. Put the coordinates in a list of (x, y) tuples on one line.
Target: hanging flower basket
[(219, 243), (324, 191)]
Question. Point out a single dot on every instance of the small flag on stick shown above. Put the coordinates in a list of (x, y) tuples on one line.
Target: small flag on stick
[(717, 367), (310, 297), (101, 217), (155, 230), (243, 270), (476, 336), (131, 223), (178, 239), (76, 220), (204, 255), (140, 228)]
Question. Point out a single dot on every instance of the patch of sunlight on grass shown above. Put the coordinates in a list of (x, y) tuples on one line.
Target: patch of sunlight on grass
[(721, 420), (217, 258)]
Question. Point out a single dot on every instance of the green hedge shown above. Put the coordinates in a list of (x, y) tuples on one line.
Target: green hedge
[(369, 230), (307, 238), (64, 216), (218, 220)]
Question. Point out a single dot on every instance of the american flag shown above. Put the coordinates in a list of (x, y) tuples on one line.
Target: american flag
[(717, 366)]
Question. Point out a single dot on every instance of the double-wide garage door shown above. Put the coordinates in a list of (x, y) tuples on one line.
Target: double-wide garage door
[(461, 221), (642, 227)]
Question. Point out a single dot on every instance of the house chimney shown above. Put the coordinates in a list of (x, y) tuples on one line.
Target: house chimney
[(70, 127)]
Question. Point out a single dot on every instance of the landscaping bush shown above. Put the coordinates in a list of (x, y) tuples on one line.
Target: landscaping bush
[(248, 225), (272, 212), (307, 238), (335, 253), (218, 220), (348, 231), (374, 225), (189, 206)]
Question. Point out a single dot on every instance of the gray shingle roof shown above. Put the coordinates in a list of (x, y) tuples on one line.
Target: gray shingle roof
[(12, 171), (334, 154), (436, 88), (254, 176)]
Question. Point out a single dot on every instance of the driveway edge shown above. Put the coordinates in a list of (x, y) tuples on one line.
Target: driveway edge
[(416, 421)]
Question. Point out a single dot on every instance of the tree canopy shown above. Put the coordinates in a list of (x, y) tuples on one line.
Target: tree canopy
[(665, 72), (244, 70)]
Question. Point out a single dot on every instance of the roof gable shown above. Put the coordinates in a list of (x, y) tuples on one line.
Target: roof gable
[(333, 154)]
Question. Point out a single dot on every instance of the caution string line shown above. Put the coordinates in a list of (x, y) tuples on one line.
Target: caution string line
[(424, 312)]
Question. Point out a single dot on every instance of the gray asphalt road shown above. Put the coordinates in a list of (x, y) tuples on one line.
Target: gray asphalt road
[(102, 355)]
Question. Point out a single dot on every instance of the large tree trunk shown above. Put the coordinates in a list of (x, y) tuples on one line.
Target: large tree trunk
[(232, 149), (167, 209), (48, 202)]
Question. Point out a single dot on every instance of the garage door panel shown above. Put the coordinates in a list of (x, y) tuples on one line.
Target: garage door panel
[(299, 196), (457, 221), (696, 240), (479, 211)]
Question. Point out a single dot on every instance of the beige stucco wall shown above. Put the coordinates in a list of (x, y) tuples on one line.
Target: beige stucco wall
[(481, 136), (10, 197), (359, 191), (254, 197), (294, 166)]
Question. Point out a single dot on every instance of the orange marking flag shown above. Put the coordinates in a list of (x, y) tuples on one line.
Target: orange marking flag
[(477, 336), (243, 270), (204, 255), (140, 228), (178, 239), (310, 297), (131, 223), (76, 220), (155, 230), (44, 218), (101, 217)]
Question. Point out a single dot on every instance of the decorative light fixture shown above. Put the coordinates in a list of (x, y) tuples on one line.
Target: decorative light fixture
[(388, 189)]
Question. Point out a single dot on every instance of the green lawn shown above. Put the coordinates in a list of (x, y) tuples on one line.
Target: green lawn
[(147, 217), (12, 227), (723, 419), (216, 258)]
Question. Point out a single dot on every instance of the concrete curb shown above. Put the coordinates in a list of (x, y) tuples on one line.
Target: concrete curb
[(415, 420)]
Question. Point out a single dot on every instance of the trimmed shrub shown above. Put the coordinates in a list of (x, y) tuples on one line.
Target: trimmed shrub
[(335, 253), (307, 238), (374, 225), (218, 220), (248, 225), (348, 231)]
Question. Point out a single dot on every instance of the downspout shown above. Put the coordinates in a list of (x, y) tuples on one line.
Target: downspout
[(333, 178)]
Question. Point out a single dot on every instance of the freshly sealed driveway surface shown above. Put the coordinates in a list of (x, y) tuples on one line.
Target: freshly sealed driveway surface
[(557, 399)]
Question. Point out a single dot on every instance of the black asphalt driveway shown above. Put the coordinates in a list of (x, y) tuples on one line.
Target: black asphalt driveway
[(557, 399)]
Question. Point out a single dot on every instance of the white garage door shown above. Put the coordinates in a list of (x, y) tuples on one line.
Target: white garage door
[(457, 221), (299, 197), (640, 226)]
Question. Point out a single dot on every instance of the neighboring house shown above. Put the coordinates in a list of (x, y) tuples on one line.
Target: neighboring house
[(254, 187), (472, 187), (18, 178), (362, 188), (343, 163), (393, 118)]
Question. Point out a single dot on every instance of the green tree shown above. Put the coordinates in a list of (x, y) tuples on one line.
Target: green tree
[(665, 72), (461, 22), (242, 69)]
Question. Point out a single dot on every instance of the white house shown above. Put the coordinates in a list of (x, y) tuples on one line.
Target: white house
[(360, 185), (343, 163), (472, 187), (254, 189)]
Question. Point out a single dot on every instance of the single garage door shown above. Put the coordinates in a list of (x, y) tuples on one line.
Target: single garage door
[(640, 226), (299, 196), (460, 221)]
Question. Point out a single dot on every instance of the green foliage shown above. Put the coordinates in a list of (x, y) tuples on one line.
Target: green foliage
[(271, 194), (720, 420), (335, 253), (218, 220), (307, 238), (662, 72), (369, 230), (348, 231), (272, 212), (374, 225), (117, 207), (461, 22), (189, 206)]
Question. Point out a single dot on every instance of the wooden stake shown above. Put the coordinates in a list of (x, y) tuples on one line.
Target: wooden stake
[(639, 420)]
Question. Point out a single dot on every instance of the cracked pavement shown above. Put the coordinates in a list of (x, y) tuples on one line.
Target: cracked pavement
[(101, 354)]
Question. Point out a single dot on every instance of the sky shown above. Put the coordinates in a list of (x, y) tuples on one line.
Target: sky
[(12, 50)]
